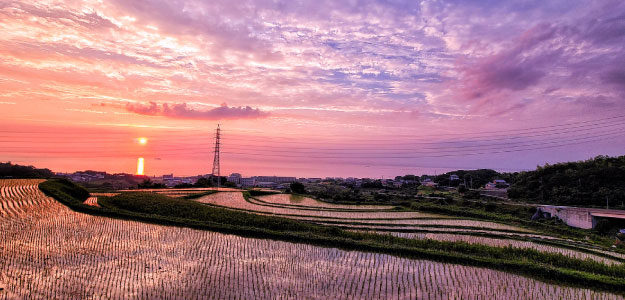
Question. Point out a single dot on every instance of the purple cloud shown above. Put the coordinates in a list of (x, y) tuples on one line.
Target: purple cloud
[(616, 77), (182, 111), (515, 68)]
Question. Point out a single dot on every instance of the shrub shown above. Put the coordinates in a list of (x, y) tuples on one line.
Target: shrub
[(603, 226), (297, 188), (472, 195)]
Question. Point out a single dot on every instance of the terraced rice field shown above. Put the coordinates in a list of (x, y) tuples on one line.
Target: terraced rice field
[(235, 200), (51, 252), (379, 217), (405, 224)]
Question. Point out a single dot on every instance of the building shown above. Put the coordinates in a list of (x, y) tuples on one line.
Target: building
[(276, 179), (267, 184), (168, 180), (580, 217), (496, 184), (453, 177), (247, 182), (235, 178), (428, 182)]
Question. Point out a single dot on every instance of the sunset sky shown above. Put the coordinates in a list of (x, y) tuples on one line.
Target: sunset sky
[(310, 88)]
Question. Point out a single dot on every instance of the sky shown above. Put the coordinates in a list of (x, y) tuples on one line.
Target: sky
[(310, 88)]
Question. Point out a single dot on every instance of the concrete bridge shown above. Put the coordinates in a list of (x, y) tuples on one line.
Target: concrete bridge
[(580, 217)]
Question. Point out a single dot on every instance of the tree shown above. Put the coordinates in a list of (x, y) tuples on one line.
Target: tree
[(204, 182), (462, 188), (376, 184), (297, 188), (148, 184), (229, 184)]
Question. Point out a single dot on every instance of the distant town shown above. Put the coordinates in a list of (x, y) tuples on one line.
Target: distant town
[(277, 182)]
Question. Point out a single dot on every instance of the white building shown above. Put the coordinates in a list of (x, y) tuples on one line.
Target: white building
[(247, 182)]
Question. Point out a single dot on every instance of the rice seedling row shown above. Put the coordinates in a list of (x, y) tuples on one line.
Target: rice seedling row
[(93, 201)]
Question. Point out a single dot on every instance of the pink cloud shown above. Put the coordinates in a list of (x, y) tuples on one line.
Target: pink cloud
[(182, 111)]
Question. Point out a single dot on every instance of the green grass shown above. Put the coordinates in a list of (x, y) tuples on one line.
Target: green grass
[(261, 193), (160, 209), (198, 195)]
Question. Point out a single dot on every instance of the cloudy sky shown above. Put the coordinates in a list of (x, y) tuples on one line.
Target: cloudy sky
[(310, 88)]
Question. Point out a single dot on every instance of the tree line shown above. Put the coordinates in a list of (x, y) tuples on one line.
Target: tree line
[(9, 170)]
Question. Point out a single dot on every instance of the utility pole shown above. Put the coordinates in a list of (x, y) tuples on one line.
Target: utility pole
[(216, 158), (542, 195)]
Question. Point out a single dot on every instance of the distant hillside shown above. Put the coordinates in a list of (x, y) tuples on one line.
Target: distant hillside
[(583, 183), (9, 170)]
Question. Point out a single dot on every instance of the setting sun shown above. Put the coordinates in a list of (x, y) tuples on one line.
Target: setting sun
[(142, 140)]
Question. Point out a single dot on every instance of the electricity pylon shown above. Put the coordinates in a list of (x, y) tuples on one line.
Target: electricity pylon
[(216, 158)]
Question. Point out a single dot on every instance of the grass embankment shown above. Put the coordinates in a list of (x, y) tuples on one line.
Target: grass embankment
[(198, 195), (154, 208), (261, 193), (249, 197)]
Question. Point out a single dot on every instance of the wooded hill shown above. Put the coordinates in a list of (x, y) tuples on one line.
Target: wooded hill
[(582, 183), (9, 170)]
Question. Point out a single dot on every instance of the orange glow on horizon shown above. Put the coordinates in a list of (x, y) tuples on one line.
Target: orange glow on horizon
[(140, 166)]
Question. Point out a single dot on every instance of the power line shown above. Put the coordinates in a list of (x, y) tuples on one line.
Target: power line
[(501, 131), (450, 154), (561, 132), (342, 137), (440, 148), (427, 154)]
